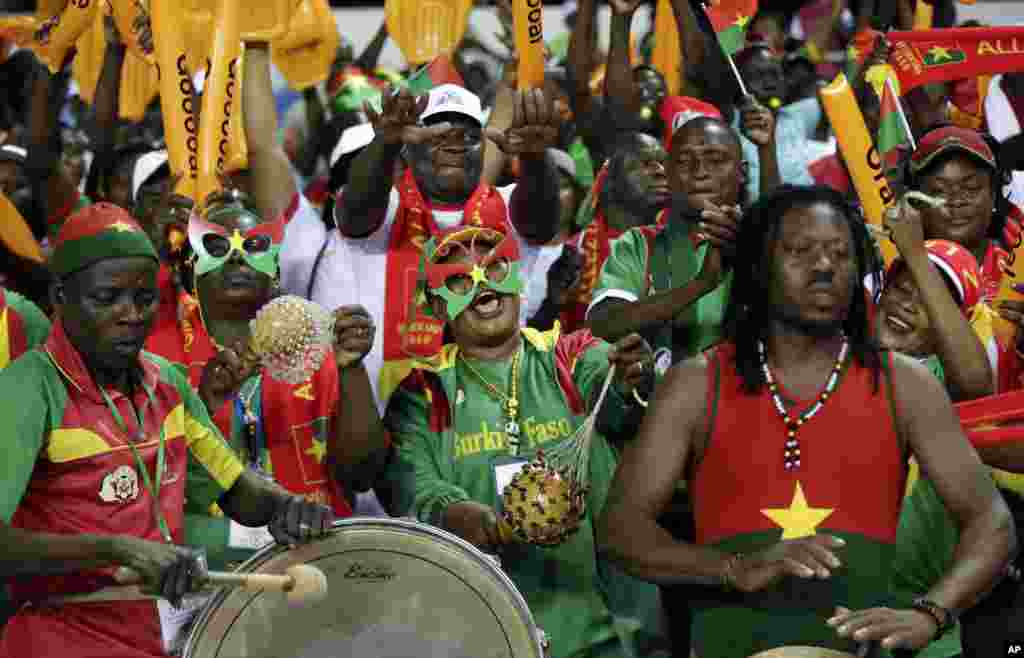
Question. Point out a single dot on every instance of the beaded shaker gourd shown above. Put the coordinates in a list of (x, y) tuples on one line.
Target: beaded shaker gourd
[(291, 336), (541, 505)]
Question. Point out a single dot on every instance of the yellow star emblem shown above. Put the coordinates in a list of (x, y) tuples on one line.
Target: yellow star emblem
[(798, 520), (317, 451), (878, 74), (237, 241), (478, 275), (741, 21), (939, 53), (122, 227), (853, 53)]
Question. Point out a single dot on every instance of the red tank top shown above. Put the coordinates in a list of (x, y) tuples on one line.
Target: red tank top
[(852, 474)]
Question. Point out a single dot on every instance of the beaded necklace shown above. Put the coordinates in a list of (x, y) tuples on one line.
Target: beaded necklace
[(509, 402), (791, 455)]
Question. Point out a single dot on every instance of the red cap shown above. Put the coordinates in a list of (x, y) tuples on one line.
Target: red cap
[(676, 111)]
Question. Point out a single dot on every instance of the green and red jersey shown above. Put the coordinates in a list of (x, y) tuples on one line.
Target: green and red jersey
[(850, 484), (451, 435), (68, 469)]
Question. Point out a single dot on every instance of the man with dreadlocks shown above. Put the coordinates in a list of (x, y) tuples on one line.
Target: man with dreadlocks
[(307, 436), (793, 548)]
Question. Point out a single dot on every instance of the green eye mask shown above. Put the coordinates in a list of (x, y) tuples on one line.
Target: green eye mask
[(439, 274), (259, 245)]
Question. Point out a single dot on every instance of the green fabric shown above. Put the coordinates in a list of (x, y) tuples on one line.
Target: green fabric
[(37, 325), (558, 46), (580, 155), (580, 601), (631, 273), (732, 40), (33, 396), (212, 533), (926, 541), (72, 255), (794, 612)]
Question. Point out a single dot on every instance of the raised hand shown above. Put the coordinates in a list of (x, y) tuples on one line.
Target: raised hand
[(758, 123), (810, 557), (564, 276), (222, 377), (353, 335), (624, 7), (633, 359), (398, 121), (719, 226), (534, 126), (905, 226)]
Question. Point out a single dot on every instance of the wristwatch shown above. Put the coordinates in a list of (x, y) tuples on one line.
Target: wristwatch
[(944, 618)]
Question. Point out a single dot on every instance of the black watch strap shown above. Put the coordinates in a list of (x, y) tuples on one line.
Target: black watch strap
[(944, 618)]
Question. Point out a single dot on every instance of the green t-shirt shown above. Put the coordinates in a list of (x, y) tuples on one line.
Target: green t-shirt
[(633, 271), (926, 540), (580, 601)]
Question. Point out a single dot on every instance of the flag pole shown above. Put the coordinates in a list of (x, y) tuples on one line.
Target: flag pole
[(728, 57)]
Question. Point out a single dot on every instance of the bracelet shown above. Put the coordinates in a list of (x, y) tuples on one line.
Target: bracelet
[(944, 617), (728, 573)]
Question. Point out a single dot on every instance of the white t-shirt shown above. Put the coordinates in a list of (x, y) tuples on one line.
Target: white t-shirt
[(354, 271)]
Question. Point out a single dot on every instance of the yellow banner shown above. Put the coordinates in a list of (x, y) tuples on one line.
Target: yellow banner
[(528, 25), (15, 233), (668, 53), (221, 100), (862, 158), (177, 99)]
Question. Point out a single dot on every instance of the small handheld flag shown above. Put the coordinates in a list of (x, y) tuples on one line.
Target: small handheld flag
[(730, 20), (893, 128)]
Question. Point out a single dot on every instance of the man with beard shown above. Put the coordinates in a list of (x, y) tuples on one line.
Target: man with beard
[(382, 223), (104, 442), (793, 549), (483, 407), (668, 282)]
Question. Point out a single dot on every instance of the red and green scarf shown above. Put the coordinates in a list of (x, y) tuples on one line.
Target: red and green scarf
[(409, 334)]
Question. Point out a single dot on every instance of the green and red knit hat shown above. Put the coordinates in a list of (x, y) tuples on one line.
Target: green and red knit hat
[(98, 232)]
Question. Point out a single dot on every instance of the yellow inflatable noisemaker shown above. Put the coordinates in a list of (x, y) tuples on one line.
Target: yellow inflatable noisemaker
[(668, 53), (15, 233), (56, 36), (424, 29), (528, 25), (222, 97), (862, 158), (91, 48), (238, 151), (305, 53), (126, 13), (177, 98)]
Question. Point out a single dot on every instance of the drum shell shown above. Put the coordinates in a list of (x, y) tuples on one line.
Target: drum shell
[(385, 577)]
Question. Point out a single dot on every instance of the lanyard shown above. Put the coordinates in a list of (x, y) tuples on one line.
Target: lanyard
[(152, 488)]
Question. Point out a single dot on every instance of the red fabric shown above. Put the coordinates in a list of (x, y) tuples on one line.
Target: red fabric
[(420, 335), (64, 211), (831, 171), (64, 497), (675, 111), (922, 57), (122, 629), (95, 219), (294, 418), (723, 14), (851, 441), (568, 349)]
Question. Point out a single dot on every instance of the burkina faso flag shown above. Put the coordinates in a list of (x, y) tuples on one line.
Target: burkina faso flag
[(894, 136), (730, 20), (438, 72)]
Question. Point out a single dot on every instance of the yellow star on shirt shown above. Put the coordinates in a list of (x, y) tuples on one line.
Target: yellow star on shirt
[(798, 520), (122, 227), (237, 241), (477, 274), (741, 21), (853, 53), (317, 451), (939, 53)]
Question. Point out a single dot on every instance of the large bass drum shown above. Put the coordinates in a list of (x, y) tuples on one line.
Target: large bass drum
[(395, 588)]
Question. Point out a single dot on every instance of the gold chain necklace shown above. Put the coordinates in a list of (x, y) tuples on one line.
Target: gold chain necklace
[(509, 402)]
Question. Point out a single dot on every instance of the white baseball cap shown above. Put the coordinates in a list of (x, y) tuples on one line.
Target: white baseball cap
[(146, 167), (352, 139), (450, 98)]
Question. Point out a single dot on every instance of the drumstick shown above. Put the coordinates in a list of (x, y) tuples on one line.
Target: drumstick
[(303, 583)]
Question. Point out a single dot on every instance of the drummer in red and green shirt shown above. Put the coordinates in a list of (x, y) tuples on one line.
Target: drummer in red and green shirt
[(458, 433), (102, 445)]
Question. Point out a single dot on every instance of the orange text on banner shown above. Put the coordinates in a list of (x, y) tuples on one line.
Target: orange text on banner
[(862, 158), (221, 99), (177, 98), (528, 24)]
